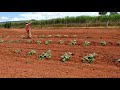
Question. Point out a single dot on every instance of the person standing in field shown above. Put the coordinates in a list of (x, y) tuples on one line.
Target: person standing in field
[(28, 29)]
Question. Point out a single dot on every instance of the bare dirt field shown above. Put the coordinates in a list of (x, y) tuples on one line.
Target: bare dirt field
[(21, 65)]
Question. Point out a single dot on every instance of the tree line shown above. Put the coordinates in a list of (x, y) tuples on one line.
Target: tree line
[(114, 17)]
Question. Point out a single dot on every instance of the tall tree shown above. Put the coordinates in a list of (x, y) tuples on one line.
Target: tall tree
[(104, 13)]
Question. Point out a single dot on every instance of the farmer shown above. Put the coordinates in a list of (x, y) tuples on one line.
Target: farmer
[(28, 29)]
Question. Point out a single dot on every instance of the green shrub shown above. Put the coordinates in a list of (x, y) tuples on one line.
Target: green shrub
[(18, 51), (44, 55), (61, 42), (73, 42), (103, 43), (38, 42), (1, 41), (31, 52), (48, 42), (86, 43), (66, 56), (118, 43), (29, 41), (89, 58), (7, 25)]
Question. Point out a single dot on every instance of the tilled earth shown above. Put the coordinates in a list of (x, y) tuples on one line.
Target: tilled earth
[(21, 65)]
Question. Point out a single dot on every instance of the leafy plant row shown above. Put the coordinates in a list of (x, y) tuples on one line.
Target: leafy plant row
[(64, 57), (47, 42)]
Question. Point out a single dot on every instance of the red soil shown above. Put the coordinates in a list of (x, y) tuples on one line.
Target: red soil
[(13, 65)]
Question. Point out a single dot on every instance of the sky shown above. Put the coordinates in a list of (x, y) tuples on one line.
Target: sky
[(17, 16)]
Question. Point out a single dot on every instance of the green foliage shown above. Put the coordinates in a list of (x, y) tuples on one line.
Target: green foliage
[(1, 41), (73, 42), (58, 35), (10, 41), (8, 37), (1, 36), (103, 43), (79, 21), (31, 52), (118, 43), (61, 42), (18, 51), (41, 36), (17, 41), (48, 42), (113, 13), (38, 42), (86, 43), (66, 36), (102, 13), (29, 41), (22, 36), (89, 58), (66, 56), (44, 55), (7, 25), (118, 60), (49, 36), (74, 36)]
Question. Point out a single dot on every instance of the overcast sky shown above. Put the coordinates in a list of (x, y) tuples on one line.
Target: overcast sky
[(16, 16)]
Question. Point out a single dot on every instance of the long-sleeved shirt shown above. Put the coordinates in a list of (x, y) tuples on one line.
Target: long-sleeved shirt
[(27, 27)]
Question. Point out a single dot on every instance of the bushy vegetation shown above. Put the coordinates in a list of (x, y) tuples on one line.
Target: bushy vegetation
[(66, 56), (18, 51), (79, 21), (103, 43), (73, 42), (89, 58), (31, 52), (7, 25), (86, 43), (44, 55), (1, 41)]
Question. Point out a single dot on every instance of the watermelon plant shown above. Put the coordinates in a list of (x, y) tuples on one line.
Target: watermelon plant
[(61, 42), (22, 36), (58, 35), (74, 36), (10, 41), (38, 42), (49, 36), (48, 42), (29, 41), (31, 52), (18, 51), (86, 43), (1, 36), (103, 43), (17, 41), (66, 56), (1, 41), (44, 55), (41, 36), (66, 36), (118, 43), (73, 42), (89, 58)]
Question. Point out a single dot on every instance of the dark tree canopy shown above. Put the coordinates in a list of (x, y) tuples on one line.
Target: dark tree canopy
[(104, 13)]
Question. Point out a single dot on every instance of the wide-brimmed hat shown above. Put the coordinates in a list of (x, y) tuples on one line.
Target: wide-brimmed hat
[(27, 22)]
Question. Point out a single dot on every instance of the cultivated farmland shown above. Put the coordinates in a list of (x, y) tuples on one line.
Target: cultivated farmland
[(60, 53)]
